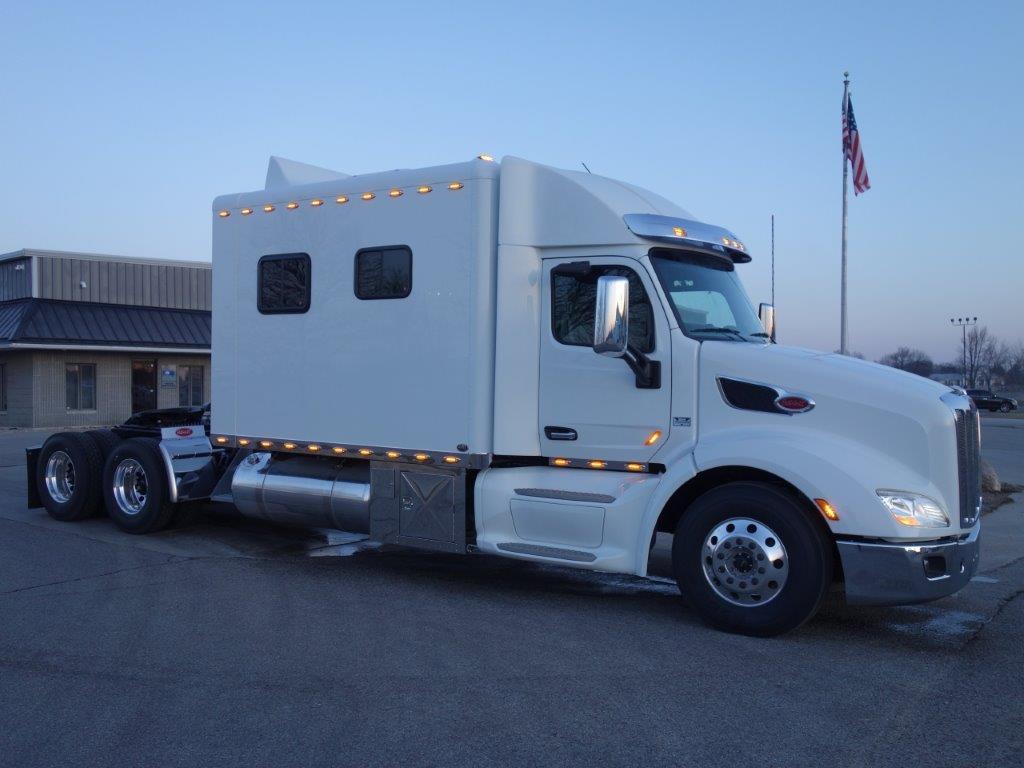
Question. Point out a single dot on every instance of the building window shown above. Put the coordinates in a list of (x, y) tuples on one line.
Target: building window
[(384, 273), (284, 284), (190, 385), (3, 387), (573, 300), (80, 386)]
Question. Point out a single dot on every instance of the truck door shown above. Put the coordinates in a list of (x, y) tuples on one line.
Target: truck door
[(590, 405)]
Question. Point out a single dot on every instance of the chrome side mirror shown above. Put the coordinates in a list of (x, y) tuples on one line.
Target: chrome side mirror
[(766, 314), (611, 316)]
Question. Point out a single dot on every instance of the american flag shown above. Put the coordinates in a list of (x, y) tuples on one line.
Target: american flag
[(852, 150)]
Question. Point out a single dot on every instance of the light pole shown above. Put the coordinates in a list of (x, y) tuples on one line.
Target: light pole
[(963, 322)]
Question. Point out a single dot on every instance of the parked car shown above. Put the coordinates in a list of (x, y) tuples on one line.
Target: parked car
[(985, 400)]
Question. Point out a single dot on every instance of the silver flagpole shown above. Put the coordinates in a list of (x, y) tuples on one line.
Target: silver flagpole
[(843, 348)]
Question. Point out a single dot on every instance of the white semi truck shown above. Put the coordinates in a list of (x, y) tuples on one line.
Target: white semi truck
[(511, 359)]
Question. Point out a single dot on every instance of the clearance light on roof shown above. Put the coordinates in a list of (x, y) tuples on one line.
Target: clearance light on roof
[(292, 205), (421, 456), (486, 158), (424, 189), (451, 459), (313, 447), (246, 211), (341, 199), (455, 185), (338, 449), (243, 441), (223, 214), (654, 437), (367, 196), (266, 444), (316, 203), (365, 452), (220, 440), (289, 446), (393, 455), (395, 193), (268, 208)]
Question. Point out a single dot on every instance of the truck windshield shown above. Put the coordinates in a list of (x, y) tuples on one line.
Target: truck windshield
[(707, 296)]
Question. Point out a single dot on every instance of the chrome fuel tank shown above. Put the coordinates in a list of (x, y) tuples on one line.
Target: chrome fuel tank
[(304, 491)]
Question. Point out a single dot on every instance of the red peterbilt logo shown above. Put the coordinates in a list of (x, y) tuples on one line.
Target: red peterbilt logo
[(183, 431)]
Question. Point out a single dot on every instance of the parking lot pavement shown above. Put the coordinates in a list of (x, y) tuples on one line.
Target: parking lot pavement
[(225, 643), (1002, 446)]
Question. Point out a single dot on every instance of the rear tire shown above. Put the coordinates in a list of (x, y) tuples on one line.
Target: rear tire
[(1004, 407), (135, 487), (751, 559), (68, 476), (105, 440)]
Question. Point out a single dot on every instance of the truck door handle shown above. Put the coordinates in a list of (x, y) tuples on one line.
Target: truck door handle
[(559, 433)]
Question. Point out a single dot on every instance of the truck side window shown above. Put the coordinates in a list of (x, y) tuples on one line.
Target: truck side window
[(283, 284), (384, 273), (573, 301)]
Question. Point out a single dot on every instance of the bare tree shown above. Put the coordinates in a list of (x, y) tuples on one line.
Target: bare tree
[(912, 360), (979, 355), (1015, 363)]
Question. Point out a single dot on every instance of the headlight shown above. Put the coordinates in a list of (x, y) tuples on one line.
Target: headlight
[(913, 510)]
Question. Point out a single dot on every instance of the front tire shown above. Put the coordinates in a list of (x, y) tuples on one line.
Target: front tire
[(135, 487), (751, 559), (1004, 407)]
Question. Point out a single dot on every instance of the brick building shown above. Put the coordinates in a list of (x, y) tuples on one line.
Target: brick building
[(88, 340)]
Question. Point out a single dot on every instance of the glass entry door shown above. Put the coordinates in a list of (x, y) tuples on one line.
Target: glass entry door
[(143, 385)]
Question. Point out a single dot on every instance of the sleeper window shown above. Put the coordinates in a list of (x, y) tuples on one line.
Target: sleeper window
[(573, 298), (284, 284), (383, 273)]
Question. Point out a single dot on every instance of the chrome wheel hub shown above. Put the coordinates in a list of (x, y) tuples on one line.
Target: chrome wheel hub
[(745, 562), (130, 486), (60, 477)]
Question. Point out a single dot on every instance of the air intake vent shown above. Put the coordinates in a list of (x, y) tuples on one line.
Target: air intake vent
[(968, 459)]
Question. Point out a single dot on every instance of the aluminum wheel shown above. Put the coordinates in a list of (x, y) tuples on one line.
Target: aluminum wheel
[(60, 477), (745, 562), (130, 486)]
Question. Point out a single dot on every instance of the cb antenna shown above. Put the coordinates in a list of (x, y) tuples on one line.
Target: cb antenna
[(585, 167)]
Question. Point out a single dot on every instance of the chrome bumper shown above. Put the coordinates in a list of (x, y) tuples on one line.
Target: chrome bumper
[(900, 574)]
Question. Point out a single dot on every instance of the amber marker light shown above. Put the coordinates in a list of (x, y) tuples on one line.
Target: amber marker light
[(316, 203), (451, 459), (827, 510), (455, 185), (393, 455), (424, 189), (367, 196), (246, 211), (395, 193), (244, 441), (221, 440), (654, 437), (223, 214), (421, 456), (595, 464), (341, 199), (268, 208), (561, 462), (679, 231), (313, 447), (338, 449), (634, 467), (266, 444), (289, 446), (292, 205), (365, 452)]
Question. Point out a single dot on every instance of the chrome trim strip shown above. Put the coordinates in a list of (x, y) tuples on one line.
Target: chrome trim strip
[(545, 493)]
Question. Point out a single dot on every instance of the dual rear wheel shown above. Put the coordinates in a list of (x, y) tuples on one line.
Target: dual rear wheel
[(79, 474)]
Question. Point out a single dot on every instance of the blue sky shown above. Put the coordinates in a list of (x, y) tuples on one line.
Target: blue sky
[(121, 123)]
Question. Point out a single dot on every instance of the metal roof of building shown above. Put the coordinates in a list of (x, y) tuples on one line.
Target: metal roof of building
[(45, 322)]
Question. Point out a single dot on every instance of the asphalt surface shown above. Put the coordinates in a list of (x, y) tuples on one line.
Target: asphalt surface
[(230, 643), (1003, 446)]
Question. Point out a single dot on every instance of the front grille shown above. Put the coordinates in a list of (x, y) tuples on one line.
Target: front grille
[(968, 460)]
